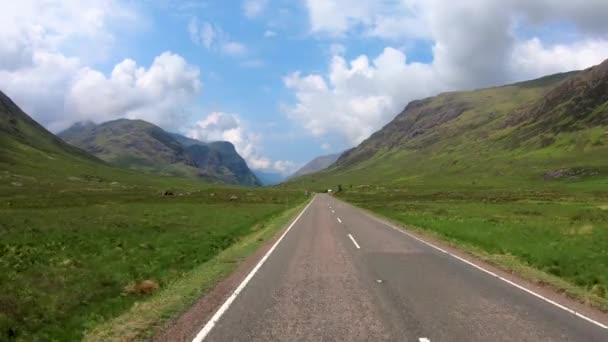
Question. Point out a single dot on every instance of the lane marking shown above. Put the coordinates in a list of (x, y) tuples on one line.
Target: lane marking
[(424, 339), (332, 211), (353, 240), (216, 317), (339, 220), (537, 295)]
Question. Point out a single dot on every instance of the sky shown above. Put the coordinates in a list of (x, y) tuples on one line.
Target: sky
[(283, 80)]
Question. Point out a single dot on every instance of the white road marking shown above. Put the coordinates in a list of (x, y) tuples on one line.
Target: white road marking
[(537, 295), (339, 220), (424, 339), (332, 211), (353, 240), (216, 317)]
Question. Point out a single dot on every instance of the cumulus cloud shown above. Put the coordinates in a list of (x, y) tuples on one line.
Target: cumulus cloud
[(253, 8), (219, 126), (58, 88), (212, 37), (358, 96), (474, 44), (533, 57), (157, 94)]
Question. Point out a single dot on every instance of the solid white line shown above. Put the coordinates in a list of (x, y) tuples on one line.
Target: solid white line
[(537, 295), (353, 240), (216, 317), (339, 220), (424, 339)]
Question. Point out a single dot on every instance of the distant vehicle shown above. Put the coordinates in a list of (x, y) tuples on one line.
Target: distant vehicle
[(329, 191)]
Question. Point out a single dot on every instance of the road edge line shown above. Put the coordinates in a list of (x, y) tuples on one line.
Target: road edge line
[(202, 334), (480, 268)]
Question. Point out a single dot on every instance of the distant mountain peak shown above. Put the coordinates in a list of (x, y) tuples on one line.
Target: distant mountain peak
[(317, 164), (141, 145)]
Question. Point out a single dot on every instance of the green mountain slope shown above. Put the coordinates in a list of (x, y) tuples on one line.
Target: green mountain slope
[(139, 145), (18, 128), (316, 164), (498, 136)]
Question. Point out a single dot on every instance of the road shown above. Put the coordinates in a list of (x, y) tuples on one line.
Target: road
[(340, 275)]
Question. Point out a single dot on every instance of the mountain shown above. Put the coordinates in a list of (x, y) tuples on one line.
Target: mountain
[(140, 145), (18, 128), (269, 178), (499, 136), (316, 164), (220, 156)]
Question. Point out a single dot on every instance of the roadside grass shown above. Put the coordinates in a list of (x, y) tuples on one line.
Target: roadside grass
[(143, 319), (558, 239), (76, 245)]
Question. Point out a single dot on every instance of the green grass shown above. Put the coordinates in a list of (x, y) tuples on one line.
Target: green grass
[(565, 237), (142, 320), (75, 235), (64, 265)]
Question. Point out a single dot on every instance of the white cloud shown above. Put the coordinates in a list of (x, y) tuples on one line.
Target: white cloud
[(234, 48), (230, 127), (532, 57), (474, 44), (357, 97), (325, 146), (157, 94), (44, 65), (212, 37), (269, 34), (253, 8), (201, 34)]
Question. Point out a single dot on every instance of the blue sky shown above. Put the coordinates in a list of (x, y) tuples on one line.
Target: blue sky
[(285, 81)]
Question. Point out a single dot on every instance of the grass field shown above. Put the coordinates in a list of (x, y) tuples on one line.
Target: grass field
[(82, 242), (564, 236)]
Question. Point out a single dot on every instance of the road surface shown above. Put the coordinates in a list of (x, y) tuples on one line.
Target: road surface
[(340, 275)]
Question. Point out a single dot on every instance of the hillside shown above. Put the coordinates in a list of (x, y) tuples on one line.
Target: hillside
[(497, 136), (516, 175), (18, 128), (139, 145), (316, 164)]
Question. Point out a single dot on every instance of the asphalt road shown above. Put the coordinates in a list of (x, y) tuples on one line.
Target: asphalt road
[(341, 275)]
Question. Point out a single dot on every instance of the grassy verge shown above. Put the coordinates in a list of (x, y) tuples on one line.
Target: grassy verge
[(144, 318), (551, 240)]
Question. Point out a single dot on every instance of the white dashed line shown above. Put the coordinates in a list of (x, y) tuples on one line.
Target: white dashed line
[(539, 296), (339, 220), (424, 339), (353, 240)]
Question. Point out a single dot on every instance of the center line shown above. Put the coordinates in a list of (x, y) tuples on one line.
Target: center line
[(339, 220), (332, 211), (424, 339), (356, 244)]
